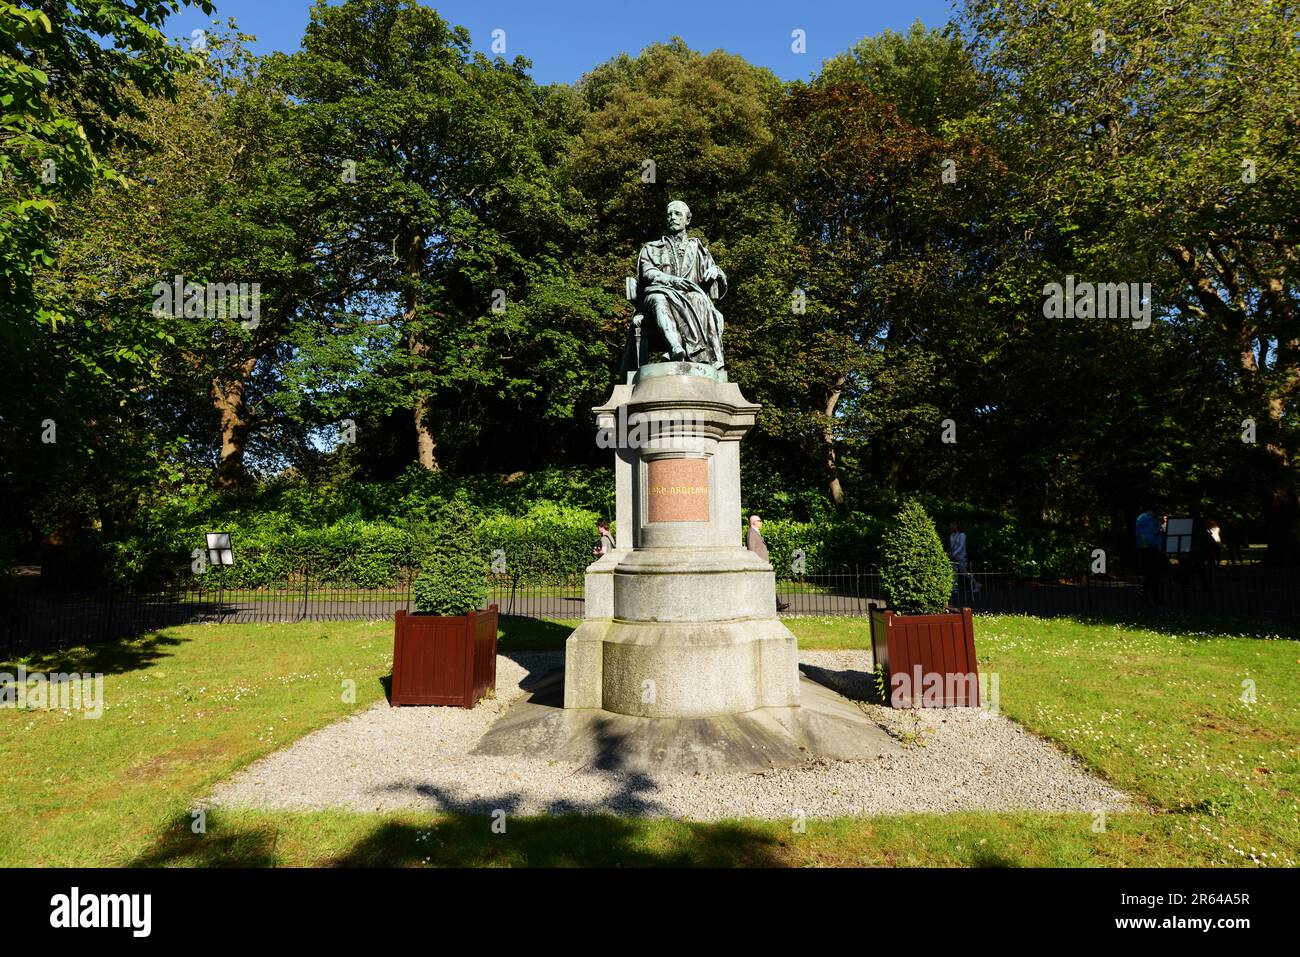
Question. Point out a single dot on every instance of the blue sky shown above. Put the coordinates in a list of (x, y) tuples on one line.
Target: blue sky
[(565, 38)]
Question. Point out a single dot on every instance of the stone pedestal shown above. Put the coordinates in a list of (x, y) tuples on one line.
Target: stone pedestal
[(680, 618)]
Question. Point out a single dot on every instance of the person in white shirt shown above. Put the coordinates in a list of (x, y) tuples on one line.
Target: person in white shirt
[(960, 563)]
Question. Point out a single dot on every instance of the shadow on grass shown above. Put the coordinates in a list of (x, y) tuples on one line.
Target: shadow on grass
[(117, 657), (467, 840), (592, 841), (177, 844), (531, 634), (984, 857)]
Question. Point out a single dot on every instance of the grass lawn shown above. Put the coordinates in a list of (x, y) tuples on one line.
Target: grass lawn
[(1156, 708)]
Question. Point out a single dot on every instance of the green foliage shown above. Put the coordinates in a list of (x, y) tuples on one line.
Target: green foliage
[(69, 75), (824, 546), (365, 533), (453, 575), (924, 295), (434, 222), (268, 550), (1136, 153), (880, 682), (916, 574), (998, 542), (547, 542), (926, 74), (73, 78)]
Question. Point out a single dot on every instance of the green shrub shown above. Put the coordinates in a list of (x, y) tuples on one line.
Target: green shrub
[(916, 576), (453, 575), (548, 542), (367, 554), (825, 545)]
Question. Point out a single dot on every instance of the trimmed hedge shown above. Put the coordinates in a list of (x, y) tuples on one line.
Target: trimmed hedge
[(1003, 544), (453, 573), (367, 554), (549, 541), (546, 543), (916, 573), (541, 525), (823, 546)]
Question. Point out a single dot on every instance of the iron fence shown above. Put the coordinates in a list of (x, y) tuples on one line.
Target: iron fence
[(1227, 591), (36, 618)]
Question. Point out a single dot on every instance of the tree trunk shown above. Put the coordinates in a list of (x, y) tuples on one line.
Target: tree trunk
[(425, 444), (236, 426), (832, 459), (426, 447), (894, 468)]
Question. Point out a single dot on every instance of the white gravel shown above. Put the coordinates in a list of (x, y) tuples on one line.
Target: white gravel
[(392, 758)]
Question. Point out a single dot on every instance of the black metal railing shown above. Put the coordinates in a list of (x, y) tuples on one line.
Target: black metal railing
[(37, 617), (33, 617), (1231, 591)]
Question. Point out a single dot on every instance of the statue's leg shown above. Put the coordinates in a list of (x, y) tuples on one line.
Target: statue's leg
[(658, 309)]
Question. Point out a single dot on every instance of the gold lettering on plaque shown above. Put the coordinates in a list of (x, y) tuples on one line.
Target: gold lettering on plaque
[(677, 490)]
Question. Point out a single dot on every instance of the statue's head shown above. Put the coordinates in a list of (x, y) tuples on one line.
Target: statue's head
[(679, 215)]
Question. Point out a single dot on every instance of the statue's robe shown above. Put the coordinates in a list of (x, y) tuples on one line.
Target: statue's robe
[(698, 322)]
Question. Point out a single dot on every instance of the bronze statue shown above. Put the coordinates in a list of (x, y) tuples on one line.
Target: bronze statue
[(677, 283)]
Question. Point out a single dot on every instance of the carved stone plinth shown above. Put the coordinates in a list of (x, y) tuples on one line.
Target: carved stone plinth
[(680, 618)]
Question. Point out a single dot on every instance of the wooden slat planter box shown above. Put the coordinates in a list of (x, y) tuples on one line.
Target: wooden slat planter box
[(933, 657), (444, 660)]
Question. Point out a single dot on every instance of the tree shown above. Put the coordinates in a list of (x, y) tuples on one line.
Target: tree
[(431, 174), (1157, 142), (453, 577), (891, 244), (212, 205), (72, 81), (66, 95)]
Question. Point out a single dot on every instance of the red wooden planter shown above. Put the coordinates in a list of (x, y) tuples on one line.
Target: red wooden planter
[(931, 656), (444, 660)]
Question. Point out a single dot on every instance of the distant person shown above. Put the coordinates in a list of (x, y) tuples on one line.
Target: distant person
[(606, 543), (1216, 533), (960, 562), (1234, 539), (1149, 540), (754, 542), (1196, 561)]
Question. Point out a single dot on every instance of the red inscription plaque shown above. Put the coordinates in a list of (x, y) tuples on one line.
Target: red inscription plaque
[(677, 490)]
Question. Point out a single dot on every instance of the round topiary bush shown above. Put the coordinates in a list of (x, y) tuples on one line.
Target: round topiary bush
[(916, 573), (453, 575)]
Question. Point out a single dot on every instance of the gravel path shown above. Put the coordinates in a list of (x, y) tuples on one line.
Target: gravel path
[(391, 758)]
